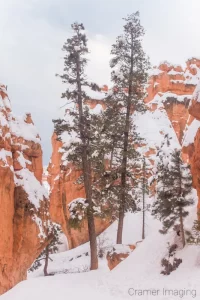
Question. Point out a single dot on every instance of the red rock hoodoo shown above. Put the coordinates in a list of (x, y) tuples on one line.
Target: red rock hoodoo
[(23, 200), (192, 143)]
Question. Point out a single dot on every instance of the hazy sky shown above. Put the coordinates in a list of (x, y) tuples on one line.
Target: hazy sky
[(32, 33)]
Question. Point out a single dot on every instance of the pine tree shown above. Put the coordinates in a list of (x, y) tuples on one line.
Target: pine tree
[(129, 76), (174, 186), (52, 247), (112, 145), (80, 126)]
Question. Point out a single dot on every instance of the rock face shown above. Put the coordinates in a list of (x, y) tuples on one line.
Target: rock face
[(118, 254), (23, 200), (170, 87), (192, 143)]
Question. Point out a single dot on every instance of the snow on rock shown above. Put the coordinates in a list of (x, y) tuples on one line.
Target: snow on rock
[(35, 191), (155, 71), (153, 126), (191, 133), (196, 95), (95, 95), (20, 128), (24, 201)]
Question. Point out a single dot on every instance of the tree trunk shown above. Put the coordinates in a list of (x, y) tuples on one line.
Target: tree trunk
[(87, 174), (46, 261), (182, 228), (70, 239), (180, 208), (143, 201), (124, 158)]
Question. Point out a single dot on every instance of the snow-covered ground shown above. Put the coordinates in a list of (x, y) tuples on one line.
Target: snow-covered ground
[(137, 277)]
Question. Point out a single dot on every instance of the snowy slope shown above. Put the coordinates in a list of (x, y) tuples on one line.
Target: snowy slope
[(141, 270)]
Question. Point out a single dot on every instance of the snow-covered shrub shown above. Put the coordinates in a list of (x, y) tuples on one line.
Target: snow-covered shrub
[(102, 245), (78, 210), (170, 263)]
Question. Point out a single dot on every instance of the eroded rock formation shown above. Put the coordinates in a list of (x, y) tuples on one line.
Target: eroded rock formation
[(171, 87), (117, 254), (23, 200), (191, 148)]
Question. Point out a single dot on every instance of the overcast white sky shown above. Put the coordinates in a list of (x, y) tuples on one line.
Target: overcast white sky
[(32, 33)]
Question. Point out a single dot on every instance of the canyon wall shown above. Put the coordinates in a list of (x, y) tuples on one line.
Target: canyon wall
[(23, 200), (191, 146)]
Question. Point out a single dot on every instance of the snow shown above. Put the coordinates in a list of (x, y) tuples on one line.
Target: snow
[(190, 78), (196, 95), (4, 154), (96, 110), (95, 95), (163, 97), (77, 48), (20, 128), (3, 120), (22, 161), (67, 138), (35, 191), (173, 72), (140, 271), (74, 208), (155, 72), (191, 133), (153, 126)]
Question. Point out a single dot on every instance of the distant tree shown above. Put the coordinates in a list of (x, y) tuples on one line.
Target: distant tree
[(129, 76), (81, 128), (51, 248), (174, 187)]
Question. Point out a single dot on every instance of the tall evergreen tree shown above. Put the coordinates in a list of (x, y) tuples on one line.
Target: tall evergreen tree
[(129, 76), (80, 125), (174, 186)]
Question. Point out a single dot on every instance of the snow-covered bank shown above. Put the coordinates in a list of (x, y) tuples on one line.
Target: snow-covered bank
[(137, 277)]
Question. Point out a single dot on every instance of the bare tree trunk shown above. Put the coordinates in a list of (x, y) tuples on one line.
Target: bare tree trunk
[(182, 228), (46, 261), (124, 159), (143, 201), (87, 174)]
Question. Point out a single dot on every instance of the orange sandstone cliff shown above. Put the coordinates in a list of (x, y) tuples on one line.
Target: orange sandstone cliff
[(191, 146), (23, 200), (171, 87)]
